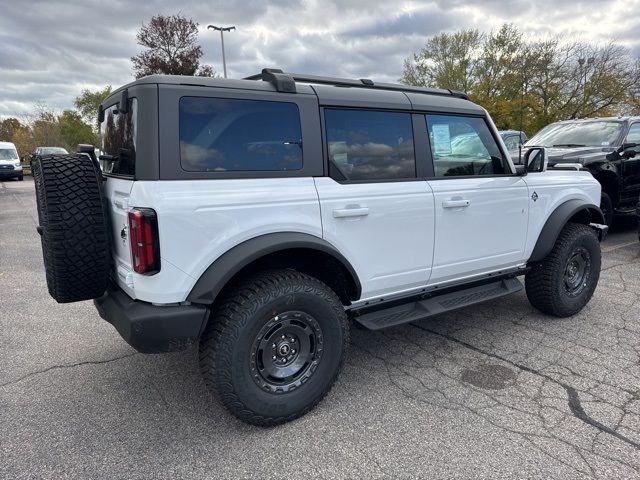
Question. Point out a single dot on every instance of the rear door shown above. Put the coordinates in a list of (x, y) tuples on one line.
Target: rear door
[(481, 209), (375, 208)]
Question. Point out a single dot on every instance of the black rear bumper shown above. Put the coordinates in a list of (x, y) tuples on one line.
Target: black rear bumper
[(149, 328)]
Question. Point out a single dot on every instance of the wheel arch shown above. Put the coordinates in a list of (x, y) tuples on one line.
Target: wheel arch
[(577, 211), (610, 184), (304, 252)]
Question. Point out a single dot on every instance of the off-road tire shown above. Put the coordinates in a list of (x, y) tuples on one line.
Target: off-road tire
[(239, 318), (73, 226), (606, 205), (545, 282)]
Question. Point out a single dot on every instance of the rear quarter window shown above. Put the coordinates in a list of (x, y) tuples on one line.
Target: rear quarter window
[(231, 135)]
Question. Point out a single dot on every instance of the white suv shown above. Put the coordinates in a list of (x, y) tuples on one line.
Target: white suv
[(259, 217)]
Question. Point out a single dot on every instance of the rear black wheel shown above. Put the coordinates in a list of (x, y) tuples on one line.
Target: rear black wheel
[(274, 346), (565, 280)]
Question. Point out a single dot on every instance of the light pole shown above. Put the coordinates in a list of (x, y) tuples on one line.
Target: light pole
[(222, 30)]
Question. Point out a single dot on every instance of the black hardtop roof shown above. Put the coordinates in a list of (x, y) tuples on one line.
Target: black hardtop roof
[(276, 81)]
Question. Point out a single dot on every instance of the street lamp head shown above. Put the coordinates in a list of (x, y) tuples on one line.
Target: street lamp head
[(221, 29)]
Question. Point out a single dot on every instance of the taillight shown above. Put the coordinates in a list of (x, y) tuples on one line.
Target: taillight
[(143, 237)]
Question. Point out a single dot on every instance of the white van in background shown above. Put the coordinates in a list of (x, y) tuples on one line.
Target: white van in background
[(10, 166)]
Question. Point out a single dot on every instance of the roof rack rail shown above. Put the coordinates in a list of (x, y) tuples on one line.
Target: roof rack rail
[(285, 82)]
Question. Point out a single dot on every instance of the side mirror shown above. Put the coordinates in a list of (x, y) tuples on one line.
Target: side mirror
[(536, 159)]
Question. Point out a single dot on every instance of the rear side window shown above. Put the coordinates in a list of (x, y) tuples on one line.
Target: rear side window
[(463, 146), (118, 134), (370, 145), (229, 135)]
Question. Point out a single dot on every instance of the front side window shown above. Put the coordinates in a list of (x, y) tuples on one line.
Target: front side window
[(118, 134), (370, 145), (230, 135), (634, 136), (463, 146)]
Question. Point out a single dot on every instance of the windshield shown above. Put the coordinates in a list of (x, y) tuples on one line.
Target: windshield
[(52, 150), (8, 154), (577, 134)]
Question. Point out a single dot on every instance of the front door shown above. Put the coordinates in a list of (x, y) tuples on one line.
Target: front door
[(374, 208), (481, 209), (631, 167)]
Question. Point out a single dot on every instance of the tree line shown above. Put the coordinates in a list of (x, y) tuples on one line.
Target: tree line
[(526, 84)]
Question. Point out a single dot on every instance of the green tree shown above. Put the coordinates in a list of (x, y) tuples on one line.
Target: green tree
[(446, 61), (526, 84), (171, 47), (75, 130), (87, 104), (8, 128)]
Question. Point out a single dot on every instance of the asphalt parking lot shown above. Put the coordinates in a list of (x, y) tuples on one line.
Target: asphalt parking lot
[(494, 391)]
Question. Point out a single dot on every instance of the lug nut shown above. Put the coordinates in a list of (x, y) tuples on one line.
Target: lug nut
[(274, 357)]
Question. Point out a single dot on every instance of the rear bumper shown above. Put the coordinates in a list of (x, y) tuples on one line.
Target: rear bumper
[(149, 328)]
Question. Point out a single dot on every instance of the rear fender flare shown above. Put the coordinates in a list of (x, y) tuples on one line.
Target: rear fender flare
[(218, 274)]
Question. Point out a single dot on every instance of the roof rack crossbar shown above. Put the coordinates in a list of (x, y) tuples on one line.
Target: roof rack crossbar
[(275, 75)]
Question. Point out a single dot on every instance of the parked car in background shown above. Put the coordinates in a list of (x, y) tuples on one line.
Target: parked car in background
[(513, 139), (10, 166), (47, 151), (607, 147)]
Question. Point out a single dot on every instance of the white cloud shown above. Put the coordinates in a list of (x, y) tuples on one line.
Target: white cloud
[(51, 49)]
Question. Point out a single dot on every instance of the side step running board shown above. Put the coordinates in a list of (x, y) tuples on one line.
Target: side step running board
[(414, 311)]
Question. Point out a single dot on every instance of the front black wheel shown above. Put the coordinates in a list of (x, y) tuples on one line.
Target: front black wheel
[(563, 283), (274, 346)]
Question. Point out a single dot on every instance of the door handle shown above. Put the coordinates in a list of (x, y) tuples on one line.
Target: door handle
[(461, 203), (351, 212)]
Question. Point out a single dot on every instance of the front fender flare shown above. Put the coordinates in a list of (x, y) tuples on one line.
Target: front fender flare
[(556, 222), (218, 274)]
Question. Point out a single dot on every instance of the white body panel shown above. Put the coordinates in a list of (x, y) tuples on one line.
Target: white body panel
[(385, 229), (486, 232), (553, 188), (398, 236), (200, 220)]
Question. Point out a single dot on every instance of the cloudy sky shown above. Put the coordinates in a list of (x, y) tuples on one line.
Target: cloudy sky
[(51, 49)]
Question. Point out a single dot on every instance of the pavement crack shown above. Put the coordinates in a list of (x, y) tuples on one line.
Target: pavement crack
[(60, 367), (575, 406)]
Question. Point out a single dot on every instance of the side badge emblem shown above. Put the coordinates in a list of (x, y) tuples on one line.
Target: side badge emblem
[(123, 233), (534, 197)]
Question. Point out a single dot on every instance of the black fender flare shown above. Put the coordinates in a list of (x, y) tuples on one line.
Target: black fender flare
[(556, 222), (218, 274)]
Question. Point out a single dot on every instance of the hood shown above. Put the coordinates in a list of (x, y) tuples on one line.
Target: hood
[(581, 155)]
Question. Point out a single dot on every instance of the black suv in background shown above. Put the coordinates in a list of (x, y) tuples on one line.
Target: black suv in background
[(608, 147)]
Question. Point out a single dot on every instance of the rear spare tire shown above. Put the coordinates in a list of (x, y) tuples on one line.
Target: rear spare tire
[(73, 226)]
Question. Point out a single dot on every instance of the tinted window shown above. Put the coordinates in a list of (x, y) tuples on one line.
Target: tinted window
[(118, 132), (463, 146), (219, 135), (369, 145)]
